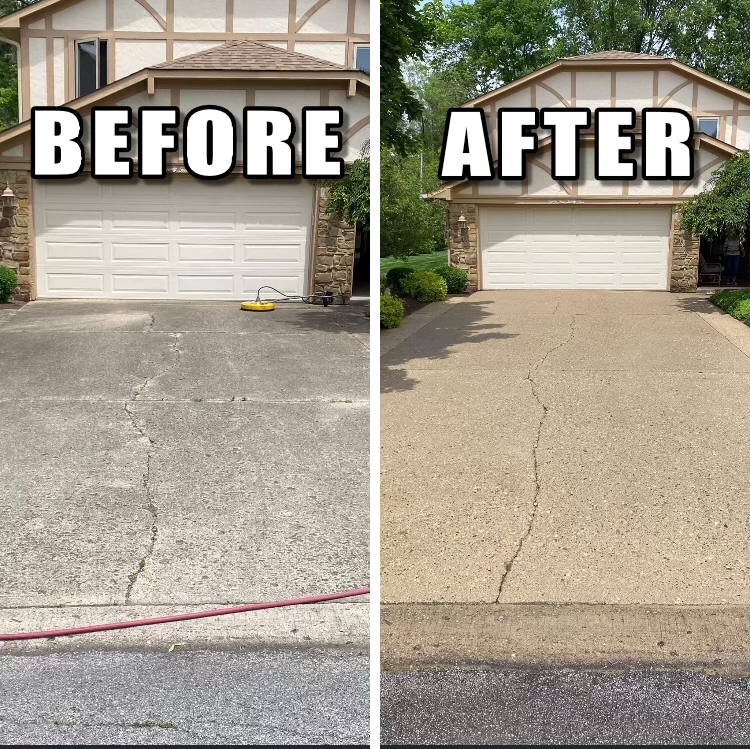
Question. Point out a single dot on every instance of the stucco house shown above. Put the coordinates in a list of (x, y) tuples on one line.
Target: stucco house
[(182, 237), (543, 233)]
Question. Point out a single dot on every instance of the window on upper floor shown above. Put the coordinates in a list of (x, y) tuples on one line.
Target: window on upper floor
[(91, 65), (709, 126), (362, 58)]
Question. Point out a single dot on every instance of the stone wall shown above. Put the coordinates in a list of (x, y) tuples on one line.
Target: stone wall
[(333, 253), (684, 250), (15, 237), (462, 245)]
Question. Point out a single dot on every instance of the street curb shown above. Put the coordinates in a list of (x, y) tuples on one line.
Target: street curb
[(566, 635), (313, 625), (412, 324)]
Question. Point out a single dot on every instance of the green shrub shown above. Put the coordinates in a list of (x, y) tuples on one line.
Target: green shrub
[(391, 311), (425, 286), (736, 302), (455, 278), (383, 283), (395, 277), (8, 283)]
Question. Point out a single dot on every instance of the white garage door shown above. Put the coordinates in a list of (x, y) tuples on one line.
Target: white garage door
[(178, 238), (577, 247)]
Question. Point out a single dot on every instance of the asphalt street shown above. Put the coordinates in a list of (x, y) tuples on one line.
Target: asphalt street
[(185, 697), (504, 707)]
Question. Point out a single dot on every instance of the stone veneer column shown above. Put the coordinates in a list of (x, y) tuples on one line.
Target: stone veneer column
[(462, 245), (15, 239), (683, 258), (333, 252)]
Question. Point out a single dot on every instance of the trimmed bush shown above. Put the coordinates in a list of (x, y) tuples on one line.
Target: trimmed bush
[(391, 311), (8, 283), (395, 277), (425, 286), (383, 284), (736, 302), (455, 278)]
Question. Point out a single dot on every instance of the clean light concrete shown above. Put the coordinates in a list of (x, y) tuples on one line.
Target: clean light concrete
[(178, 456), (568, 447)]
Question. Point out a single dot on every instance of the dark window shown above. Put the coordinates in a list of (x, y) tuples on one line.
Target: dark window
[(362, 59), (709, 126), (103, 79), (87, 74)]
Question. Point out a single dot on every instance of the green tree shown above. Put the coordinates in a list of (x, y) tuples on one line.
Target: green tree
[(408, 224), (723, 204), (9, 70), (404, 33), (350, 196)]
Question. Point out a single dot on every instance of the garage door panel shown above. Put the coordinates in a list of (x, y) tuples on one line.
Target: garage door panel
[(136, 283), (73, 251), (582, 247), (140, 252), (202, 241), (72, 283), (140, 220)]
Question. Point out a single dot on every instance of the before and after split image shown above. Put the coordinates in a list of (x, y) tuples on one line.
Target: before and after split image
[(374, 373)]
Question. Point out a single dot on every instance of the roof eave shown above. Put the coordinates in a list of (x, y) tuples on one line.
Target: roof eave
[(661, 62)]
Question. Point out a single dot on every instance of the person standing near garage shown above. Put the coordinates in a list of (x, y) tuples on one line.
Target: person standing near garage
[(733, 249)]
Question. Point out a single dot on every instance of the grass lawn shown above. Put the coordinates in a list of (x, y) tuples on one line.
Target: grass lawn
[(418, 262), (736, 302)]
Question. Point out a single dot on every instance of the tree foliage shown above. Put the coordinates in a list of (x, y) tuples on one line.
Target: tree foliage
[(408, 224), (9, 70), (405, 33), (722, 207), (350, 196)]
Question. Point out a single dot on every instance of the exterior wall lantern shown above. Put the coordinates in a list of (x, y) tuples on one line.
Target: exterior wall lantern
[(9, 197), (463, 227)]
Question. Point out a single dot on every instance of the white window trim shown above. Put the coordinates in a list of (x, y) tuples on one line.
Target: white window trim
[(97, 47)]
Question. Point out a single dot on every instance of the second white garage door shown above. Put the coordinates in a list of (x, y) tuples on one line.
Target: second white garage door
[(179, 238), (577, 247)]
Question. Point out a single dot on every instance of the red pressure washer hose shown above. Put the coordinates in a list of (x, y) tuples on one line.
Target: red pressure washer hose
[(184, 617)]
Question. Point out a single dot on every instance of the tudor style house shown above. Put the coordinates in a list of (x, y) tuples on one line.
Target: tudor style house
[(542, 233), (181, 238)]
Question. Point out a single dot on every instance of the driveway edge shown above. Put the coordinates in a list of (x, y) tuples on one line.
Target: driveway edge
[(317, 625), (566, 635), (412, 324)]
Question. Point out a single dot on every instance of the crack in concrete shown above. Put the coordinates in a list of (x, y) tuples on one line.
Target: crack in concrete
[(535, 457), (150, 506), (175, 349)]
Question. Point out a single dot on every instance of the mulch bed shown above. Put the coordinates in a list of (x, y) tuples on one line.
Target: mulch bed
[(412, 305)]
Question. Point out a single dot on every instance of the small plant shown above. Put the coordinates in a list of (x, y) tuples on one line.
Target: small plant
[(455, 278), (8, 283), (735, 302), (425, 286), (391, 311), (383, 283), (394, 279)]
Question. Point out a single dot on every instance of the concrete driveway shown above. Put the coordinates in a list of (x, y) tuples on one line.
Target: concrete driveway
[(163, 457), (567, 447)]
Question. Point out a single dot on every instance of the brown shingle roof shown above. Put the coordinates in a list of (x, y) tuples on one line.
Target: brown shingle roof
[(248, 55), (615, 54)]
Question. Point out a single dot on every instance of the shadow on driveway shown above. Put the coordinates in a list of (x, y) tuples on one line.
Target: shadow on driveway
[(464, 323)]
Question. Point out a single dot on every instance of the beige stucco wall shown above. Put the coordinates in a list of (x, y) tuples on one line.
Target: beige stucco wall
[(138, 38)]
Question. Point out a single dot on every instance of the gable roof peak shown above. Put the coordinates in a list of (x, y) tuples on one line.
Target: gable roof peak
[(247, 55)]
